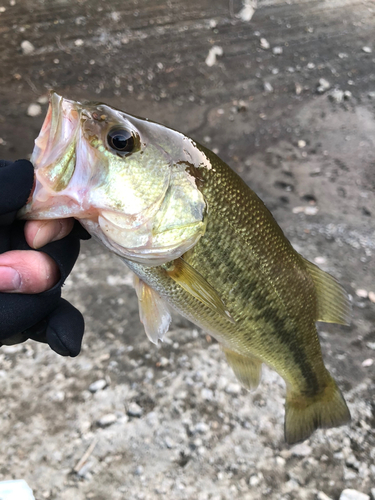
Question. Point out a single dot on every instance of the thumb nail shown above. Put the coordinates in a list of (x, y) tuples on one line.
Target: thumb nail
[(10, 279)]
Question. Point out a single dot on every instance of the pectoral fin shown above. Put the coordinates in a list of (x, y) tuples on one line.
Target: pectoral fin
[(333, 301), (193, 282), (247, 369), (153, 311)]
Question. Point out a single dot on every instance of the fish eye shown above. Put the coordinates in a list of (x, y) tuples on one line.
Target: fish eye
[(121, 140)]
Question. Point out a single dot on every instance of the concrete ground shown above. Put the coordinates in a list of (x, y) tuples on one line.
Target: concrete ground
[(289, 104)]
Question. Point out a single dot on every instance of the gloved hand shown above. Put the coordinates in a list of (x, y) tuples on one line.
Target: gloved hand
[(43, 316)]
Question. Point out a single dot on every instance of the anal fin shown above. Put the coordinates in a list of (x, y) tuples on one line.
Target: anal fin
[(153, 311), (248, 369), (333, 301)]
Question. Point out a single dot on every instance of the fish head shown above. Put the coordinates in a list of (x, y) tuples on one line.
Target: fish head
[(129, 181)]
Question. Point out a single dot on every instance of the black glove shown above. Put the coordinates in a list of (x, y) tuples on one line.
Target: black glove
[(44, 317)]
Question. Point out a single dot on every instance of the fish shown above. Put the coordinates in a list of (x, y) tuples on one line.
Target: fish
[(198, 241)]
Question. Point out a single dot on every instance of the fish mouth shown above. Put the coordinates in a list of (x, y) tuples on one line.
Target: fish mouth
[(57, 133), (53, 157)]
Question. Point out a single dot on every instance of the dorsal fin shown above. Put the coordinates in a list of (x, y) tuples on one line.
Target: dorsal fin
[(333, 301)]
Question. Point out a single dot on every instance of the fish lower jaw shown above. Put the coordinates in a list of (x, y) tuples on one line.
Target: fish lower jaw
[(65, 208)]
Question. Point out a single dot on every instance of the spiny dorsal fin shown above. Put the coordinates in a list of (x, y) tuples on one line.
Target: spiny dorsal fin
[(333, 301), (247, 369), (194, 283), (153, 311)]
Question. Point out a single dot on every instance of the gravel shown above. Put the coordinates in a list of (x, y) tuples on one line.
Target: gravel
[(349, 494)]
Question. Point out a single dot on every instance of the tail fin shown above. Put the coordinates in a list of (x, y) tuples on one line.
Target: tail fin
[(305, 414)]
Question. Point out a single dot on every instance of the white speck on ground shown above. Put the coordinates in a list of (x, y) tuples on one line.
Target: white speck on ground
[(368, 362), (212, 54), (107, 420), (277, 50), (27, 47), (350, 494), (268, 87), (248, 10), (323, 86), (307, 210), (34, 110), (264, 43)]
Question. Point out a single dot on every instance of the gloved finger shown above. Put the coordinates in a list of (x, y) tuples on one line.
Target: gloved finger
[(64, 252), (18, 338), (39, 233), (5, 238), (65, 329), (80, 232), (18, 178), (18, 312), (27, 271)]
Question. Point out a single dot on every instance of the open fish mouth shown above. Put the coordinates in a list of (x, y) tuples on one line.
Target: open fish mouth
[(54, 160), (57, 134)]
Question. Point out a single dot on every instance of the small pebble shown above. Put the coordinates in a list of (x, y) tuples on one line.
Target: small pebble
[(163, 361), (265, 44), (201, 428), (320, 260), (2, 9), (368, 50), (363, 294), (44, 99), (277, 51), (233, 389), (323, 86), (322, 496), (301, 144), (336, 95), (371, 296), (135, 410), (79, 42), (372, 493), (34, 110), (169, 443), (247, 10), (254, 480), (308, 210), (27, 47), (301, 450), (212, 54), (367, 362), (98, 385), (268, 87), (349, 494), (139, 471), (107, 420)]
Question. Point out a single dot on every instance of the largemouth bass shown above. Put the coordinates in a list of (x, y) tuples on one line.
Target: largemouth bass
[(199, 240)]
